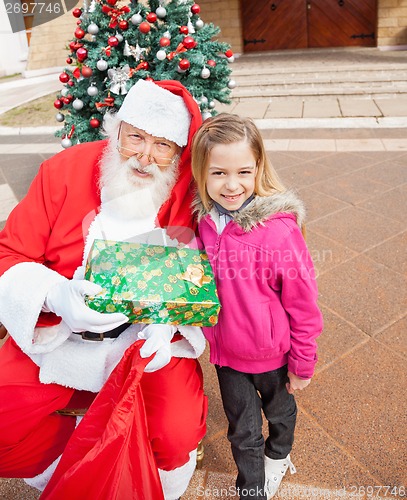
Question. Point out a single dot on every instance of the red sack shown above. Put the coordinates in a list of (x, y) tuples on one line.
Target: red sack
[(109, 455)]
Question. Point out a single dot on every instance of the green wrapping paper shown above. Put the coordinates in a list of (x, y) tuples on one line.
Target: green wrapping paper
[(153, 283)]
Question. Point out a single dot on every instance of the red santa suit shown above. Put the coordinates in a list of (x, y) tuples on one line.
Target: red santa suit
[(44, 367)]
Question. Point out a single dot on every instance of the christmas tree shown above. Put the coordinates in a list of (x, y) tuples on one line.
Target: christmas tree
[(116, 43)]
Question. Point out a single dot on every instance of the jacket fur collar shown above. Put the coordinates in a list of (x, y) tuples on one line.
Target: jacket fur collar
[(261, 209)]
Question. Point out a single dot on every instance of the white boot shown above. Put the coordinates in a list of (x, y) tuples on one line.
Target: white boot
[(275, 471), (175, 482)]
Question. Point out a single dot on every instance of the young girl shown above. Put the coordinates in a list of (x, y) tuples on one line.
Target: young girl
[(263, 346)]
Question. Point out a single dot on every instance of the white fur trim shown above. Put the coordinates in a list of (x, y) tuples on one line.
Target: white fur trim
[(23, 289), (41, 480), (192, 345), (175, 482), (157, 111), (84, 364)]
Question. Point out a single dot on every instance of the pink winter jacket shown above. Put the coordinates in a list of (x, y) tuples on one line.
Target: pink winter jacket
[(267, 289)]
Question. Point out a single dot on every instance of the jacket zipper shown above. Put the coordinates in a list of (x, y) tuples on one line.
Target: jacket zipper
[(212, 225)]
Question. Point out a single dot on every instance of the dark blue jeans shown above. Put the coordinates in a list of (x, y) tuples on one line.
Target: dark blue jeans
[(244, 396)]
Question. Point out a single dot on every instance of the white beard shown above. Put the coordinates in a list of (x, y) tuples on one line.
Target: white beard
[(129, 194)]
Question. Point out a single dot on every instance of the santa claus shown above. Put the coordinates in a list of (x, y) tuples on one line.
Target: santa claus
[(60, 354)]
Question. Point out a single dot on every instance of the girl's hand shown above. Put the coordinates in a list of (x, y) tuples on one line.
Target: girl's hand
[(296, 383)]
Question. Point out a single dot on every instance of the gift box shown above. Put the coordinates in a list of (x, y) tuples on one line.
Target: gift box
[(153, 283)]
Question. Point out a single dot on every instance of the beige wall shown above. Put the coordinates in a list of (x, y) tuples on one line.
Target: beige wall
[(392, 23), (49, 41), (226, 15)]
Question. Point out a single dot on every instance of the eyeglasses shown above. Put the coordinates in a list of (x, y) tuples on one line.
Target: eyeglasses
[(162, 153)]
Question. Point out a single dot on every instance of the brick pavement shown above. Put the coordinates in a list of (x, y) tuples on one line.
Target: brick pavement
[(352, 420)]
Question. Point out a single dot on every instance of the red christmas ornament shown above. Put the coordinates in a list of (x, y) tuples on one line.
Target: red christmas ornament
[(64, 78), (149, 79), (109, 100), (68, 60), (144, 65), (58, 104), (144, 27), (79, 33), (81, 54), (77, 12), (165, 42), (94, 123), (65, 100), (229, 53), (113, 41), (123, 24), (184, 30), (195, 9), (74, 46), (86, 71), (111, 2), (151, 17), (184, 64), (211, 62), (71, 83), (188, 42)]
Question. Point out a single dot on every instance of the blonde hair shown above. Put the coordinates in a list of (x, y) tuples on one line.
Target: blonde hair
[(227, 128)]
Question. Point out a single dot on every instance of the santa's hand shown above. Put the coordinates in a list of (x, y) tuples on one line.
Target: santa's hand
[(158, 340), (67, 300)]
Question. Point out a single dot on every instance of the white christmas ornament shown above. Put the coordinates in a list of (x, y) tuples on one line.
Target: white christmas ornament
[(66, 143), (78, 103), (190, 26), (93, 29), (205, 115), (199, 24), (161, 55), (136, 19), (161, 12), (231, 59), (92, 91), (211, 104), (205, 73), (102, 65), (167, 34), (231, 84), (204, 100), (119, 77), (119, 36), (59, 117), (137, 52), (64, 91)]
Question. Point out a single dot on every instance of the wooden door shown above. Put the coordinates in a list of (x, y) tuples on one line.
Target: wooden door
[(341, 23), (274, 24)]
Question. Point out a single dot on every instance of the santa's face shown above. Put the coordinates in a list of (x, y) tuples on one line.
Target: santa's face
[(139, 161), (146, 148)]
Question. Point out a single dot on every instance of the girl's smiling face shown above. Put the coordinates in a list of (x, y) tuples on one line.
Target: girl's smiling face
[(231, 174)]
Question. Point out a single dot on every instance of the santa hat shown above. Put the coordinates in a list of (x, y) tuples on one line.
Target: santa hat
[(157, 111)]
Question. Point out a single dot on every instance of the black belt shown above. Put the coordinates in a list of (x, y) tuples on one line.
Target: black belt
[(111, 334)]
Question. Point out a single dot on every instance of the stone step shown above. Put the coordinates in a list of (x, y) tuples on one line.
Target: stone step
[(270, 68), (368, 91), (358, 73), (322, 77)]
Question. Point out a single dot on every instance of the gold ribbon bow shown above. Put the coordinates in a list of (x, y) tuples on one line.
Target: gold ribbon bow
[(195, 273)]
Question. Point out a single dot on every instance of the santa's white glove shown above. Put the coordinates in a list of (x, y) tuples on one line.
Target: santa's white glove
[(67, 300), (158, 340)]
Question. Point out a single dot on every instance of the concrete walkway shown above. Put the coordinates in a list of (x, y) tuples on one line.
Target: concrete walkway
[(351, 433)]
